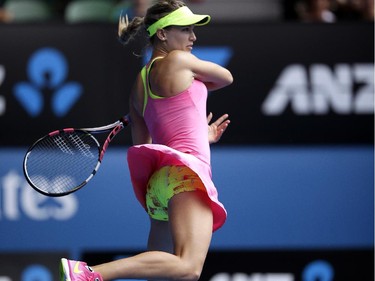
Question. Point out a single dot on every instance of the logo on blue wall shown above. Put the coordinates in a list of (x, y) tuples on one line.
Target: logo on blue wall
[(318, 270), (218, 54), (47, 69)]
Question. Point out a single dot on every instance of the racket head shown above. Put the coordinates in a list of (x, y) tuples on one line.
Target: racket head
[(62, 162)]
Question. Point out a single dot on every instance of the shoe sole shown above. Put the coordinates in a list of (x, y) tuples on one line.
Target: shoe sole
[(64, 270)]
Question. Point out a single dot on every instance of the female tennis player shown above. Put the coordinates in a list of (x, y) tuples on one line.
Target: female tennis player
[(170, 160)]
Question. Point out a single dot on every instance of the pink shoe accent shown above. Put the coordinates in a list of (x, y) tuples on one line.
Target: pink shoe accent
[(71, 270)]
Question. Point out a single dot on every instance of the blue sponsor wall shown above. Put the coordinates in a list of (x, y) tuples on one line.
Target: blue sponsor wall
[(277, 197)]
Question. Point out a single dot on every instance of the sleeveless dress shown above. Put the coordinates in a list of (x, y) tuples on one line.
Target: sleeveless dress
[(179, 131)]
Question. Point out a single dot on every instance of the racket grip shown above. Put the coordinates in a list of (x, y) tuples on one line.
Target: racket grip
[(126, 119)]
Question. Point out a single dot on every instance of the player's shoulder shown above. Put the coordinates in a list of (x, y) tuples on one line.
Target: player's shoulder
[(180, 56)]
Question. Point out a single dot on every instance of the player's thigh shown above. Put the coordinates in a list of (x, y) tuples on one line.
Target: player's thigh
[(191, 220), (160, 238)]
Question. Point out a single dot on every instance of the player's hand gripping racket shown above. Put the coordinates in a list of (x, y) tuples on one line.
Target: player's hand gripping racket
[(65, 160)]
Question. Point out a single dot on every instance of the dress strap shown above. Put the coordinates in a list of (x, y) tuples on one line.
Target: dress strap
[(146, 83)]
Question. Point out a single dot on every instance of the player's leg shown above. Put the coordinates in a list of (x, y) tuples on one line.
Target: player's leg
[(191, 221), (160, 238), (191, 226)]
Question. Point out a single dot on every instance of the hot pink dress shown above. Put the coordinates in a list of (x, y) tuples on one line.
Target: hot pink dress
[(179, 131)]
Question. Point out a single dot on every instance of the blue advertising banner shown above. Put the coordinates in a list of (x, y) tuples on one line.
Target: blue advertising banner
[(276, 198)]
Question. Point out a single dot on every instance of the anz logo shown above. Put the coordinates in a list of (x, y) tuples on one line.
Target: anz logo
[(220, 55), (319, 89), (47, 71)]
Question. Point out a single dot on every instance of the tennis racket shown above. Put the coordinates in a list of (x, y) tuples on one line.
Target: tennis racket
[(65, 160)]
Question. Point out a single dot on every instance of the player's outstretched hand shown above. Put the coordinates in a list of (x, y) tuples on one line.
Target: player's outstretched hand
[(217, 128)]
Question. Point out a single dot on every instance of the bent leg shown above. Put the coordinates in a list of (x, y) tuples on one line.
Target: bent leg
[(160, 237), (190, 219)]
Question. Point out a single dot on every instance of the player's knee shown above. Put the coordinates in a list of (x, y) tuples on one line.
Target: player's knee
[(190, 272), (194, 275)]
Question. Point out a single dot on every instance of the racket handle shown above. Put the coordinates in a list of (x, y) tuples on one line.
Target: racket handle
[(125, 119)]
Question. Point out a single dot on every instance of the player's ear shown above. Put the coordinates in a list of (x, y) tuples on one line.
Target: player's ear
[(161, 34)]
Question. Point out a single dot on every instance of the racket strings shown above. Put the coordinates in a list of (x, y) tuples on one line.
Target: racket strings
[(61, 143), (80, 144), (62, 163)]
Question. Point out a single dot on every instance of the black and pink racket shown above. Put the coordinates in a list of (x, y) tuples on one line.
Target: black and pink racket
[(65, 160)]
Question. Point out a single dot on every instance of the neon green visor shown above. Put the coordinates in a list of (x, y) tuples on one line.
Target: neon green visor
[(181, 17)]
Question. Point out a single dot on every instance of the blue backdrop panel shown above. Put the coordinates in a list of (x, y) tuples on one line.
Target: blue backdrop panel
[(276, 197)]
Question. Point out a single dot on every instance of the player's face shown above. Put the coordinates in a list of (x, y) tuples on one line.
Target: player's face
[(181, 38)]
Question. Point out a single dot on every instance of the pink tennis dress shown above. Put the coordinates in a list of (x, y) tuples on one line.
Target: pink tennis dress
[(178, 127)]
